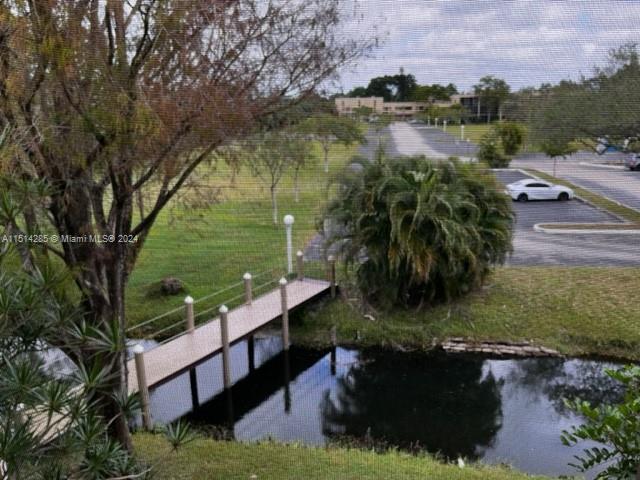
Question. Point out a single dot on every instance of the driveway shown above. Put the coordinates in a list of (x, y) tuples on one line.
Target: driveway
[(407, 139)]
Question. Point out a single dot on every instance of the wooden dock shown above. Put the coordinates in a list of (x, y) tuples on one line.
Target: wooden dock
[(176, 356)]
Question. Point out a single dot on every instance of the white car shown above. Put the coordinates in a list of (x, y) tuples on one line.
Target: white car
[(536, 189)]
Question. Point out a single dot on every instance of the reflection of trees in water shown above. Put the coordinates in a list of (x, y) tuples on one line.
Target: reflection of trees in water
[(439, 403), (557, 379)]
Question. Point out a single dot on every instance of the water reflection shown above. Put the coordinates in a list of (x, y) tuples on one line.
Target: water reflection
[(486, 409), (444, 405)]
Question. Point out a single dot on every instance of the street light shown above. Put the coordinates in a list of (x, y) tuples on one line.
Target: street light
[(288, 223)]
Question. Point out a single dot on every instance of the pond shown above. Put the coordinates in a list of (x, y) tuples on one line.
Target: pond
[(479, 408)]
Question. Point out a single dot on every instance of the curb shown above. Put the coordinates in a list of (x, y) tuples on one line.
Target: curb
[(573, 231), (602, 165)]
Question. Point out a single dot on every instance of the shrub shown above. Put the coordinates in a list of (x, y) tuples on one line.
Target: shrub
[(615, 427), (490, 151), (511, 137), (419, 231)]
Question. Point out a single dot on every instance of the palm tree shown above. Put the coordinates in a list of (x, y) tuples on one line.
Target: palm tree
[(421, 231)]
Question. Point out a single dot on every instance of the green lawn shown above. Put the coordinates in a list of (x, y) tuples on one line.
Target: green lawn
[(209, 459), (472, 131), (210, 248), (576, 310)]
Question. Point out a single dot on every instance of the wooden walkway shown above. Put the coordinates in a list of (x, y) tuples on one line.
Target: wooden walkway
[(176, 356)]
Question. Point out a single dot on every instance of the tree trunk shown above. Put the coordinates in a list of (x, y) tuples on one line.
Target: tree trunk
[(500, 113), (296, 186), (140, 200), (326, 158), (274, 204)]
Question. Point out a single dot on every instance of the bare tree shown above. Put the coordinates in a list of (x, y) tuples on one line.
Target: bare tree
[(272, 154), (113, 98)]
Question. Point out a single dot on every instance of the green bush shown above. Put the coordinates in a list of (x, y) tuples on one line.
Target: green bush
[(421, 232), (615, 427), (511, 137), (490, 151)]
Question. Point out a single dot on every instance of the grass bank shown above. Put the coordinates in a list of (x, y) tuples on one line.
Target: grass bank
[(575, 310), (209, 459), (210, 247)]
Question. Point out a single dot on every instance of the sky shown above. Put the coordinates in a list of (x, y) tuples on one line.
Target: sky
[(524, 42)]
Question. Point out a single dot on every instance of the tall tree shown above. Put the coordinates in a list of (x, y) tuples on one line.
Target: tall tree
[(600, 111), (109, 98), (330, 129), (492, 92)]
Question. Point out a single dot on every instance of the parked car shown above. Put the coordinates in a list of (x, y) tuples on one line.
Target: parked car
[(633, 162), (535, 189)]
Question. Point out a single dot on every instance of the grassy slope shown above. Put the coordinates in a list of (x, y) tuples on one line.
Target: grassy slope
[(210, 248), (576, 310), (208, 459)]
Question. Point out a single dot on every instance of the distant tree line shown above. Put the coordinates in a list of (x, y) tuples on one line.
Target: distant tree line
[(403, 88)]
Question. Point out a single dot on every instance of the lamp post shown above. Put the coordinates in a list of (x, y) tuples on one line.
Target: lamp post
[(444, 125), (288, 223)]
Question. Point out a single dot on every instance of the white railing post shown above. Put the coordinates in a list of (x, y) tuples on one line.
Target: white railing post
[(248, 288), (226, 358), (288, 223), (462, 132), (143, 388), (300, 263), (189, 316), (285, 313)]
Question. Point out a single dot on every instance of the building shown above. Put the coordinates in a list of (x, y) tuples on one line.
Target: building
[(350, 105)]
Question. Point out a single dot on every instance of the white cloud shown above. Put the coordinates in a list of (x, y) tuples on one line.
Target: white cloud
[(526, 42)]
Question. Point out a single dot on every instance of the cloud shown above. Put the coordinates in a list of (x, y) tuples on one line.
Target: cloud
[(525, 42)]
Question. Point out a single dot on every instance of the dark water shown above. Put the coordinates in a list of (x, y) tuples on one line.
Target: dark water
[(491, 410)]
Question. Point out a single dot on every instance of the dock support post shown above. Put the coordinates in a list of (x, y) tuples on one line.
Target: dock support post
[(300, 263), (193, 383), (333, 334), (251, 350), (226, 358), (189, 316), (287, 381), (248, 293), (285, 313), (143, 389), (331, 260)]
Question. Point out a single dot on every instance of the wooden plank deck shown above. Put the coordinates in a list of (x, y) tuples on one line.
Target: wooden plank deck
[(179, 354)]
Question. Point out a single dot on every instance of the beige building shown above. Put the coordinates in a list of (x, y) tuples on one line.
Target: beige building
[(349, 105)]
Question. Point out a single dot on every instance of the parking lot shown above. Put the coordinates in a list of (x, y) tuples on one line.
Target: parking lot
[(537, 248), (530, 247)]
